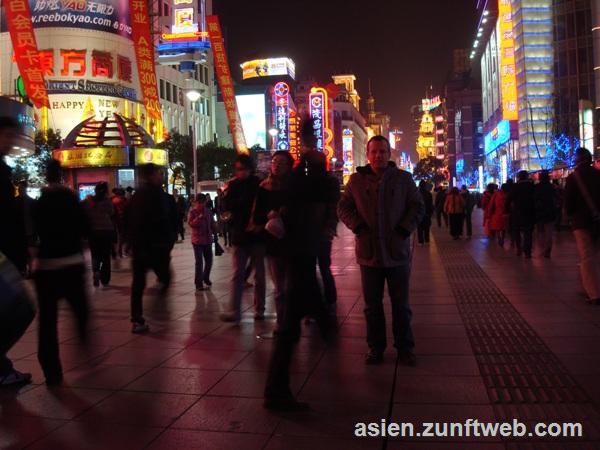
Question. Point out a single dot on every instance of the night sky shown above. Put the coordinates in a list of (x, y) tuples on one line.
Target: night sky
[(401, 45)]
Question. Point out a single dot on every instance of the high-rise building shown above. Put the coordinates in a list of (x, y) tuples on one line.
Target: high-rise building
[(378, 122)]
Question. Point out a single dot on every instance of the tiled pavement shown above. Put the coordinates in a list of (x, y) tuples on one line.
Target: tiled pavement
[(497, 338)]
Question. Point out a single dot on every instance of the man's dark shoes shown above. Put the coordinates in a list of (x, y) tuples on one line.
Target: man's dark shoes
[(286, 404), (407, 358), (374, 357)]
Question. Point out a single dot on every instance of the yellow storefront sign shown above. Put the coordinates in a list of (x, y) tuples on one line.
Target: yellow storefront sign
[(91, 157), (508, 75), (151, 155)]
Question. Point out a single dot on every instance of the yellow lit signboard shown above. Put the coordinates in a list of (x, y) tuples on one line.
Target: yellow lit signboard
[(91, 157), (151, 155), (508, 76), (268, 68)]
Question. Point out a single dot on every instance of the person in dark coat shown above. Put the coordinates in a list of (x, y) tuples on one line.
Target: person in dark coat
[(60, 269), (521, 205), (439, 201), (469, 206), (237, 203), (582, 205), (424, 226), (180, 213), (151, 236), (306, 218), (545, 213), (14, 319)]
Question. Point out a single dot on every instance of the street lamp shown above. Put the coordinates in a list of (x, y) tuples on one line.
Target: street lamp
[(273, 132), (333, 163), (193, 96)]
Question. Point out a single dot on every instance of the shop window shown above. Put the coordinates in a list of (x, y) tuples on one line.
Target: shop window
[(161, 83), (168, 91)]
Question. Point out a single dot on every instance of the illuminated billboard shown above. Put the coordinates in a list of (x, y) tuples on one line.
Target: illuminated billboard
[(508, 75), (268, 68), (429, 104), (497, 137), (109, 16), (252, 115)]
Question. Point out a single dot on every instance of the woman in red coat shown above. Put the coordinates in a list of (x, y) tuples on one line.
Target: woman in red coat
[(486, 201), (498, 218)]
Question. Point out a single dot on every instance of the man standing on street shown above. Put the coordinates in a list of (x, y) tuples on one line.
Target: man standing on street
[(382, 206), (582, 205)]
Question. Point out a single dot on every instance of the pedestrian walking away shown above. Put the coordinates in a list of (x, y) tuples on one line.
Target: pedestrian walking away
[(382, 206), (545, 214), (455, 209), (424, 227), (101, 217), (469, 199), (521, 205), (498, 216)]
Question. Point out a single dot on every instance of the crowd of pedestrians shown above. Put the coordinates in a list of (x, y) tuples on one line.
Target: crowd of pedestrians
[(284, 225)]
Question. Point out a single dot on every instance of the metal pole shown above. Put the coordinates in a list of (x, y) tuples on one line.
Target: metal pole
[(194, 150)]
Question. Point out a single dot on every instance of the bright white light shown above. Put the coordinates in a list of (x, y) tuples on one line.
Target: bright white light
[(486, 12), (484, 21), (273, 132), (192, 95)]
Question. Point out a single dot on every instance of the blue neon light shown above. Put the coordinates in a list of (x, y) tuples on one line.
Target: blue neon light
[(179, 46), (498, 136)]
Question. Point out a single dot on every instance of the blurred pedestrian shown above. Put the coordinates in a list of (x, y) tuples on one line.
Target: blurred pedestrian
[(545, 213), (498, 217), (25, 205), (382, 206), (272, 196), (440, 194), (455, 209), (560, 203), (306, 218), (521, 204), (582, 205), (151, 235), (15, 313), (101, 213), (469, 206), (237, 203), (120, 206), (60, 267), (423, 229), (485, 203), (181, 211), (203, 225)]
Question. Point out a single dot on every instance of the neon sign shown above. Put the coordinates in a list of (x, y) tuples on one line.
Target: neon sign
[(497, 137), (319, 111), (508, 76), (428, 104), (281, 93)]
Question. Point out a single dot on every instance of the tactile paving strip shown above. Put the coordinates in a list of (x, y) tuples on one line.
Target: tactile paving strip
[(524, 379)]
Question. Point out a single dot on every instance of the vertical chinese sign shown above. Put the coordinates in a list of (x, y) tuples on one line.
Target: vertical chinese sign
[(508, 76), (281, 92), (347, 140), (144, 52), (319, 111), (226, 83), (26, 52)]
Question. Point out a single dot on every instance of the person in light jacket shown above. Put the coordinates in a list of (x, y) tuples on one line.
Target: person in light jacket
[(382, 206)]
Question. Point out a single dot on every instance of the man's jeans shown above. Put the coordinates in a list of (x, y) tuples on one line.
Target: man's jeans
[(241, 254), (158, 260), (324, 261), (13, 323), (204, 260), (373, 281), (543, 236), (589, 255)]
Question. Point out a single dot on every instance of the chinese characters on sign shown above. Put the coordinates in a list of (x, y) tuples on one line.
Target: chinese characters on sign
[(25, 47), (508, 77), (347, 138), (144, 52), (93, 157), (281, 93), (73, 64), (226, 83), (317, 109)]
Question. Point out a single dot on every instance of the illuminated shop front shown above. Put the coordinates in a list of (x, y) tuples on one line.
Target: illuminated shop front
[(107, 150)]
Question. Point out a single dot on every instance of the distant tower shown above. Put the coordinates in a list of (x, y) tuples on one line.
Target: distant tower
[(347, 81), (372, 115)]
